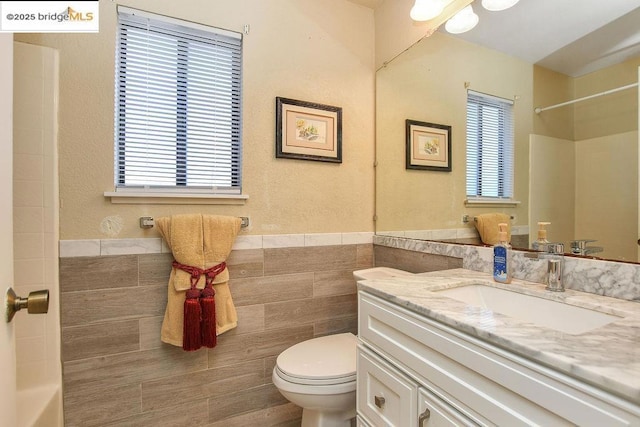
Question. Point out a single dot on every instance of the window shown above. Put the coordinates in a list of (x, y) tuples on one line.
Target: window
[(177, 106), (489, 147)]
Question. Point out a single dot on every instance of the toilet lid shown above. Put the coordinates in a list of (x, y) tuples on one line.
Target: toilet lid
[(330, 359)]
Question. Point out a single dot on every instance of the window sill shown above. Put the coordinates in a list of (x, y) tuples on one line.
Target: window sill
[(149, 198), (489, 202)]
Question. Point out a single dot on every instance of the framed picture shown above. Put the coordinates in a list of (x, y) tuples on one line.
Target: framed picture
[(308, 131), (428, 146)]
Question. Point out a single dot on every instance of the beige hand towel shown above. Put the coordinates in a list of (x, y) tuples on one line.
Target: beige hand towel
[(487, 225), (200, 241)]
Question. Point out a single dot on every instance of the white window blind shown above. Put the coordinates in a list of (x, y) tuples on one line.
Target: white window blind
[(489, 147), (178, 105)]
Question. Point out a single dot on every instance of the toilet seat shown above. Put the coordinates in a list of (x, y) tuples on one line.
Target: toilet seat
[(328, 360), (315, 381)]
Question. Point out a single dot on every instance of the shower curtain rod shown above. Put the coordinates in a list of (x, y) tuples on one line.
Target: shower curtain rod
[(539, 110)]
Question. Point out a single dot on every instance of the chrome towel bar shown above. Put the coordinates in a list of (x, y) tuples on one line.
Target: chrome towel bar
[(149, 222), (465, 218)]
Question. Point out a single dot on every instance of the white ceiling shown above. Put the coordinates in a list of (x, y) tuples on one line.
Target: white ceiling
[(573, 37)]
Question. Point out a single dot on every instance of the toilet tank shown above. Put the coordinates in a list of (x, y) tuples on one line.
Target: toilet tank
[(379, 273)]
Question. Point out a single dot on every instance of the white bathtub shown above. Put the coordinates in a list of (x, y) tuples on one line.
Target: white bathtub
[(40, 407)]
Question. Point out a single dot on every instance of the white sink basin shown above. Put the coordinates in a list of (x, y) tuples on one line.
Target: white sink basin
[(540, 311)]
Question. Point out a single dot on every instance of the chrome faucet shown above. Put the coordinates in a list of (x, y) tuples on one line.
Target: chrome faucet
[(579, 247), (554, 254), (555, 263)]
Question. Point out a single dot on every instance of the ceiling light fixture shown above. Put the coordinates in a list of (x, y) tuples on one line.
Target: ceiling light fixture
[(423, 10), (462, 21), (496, 5)]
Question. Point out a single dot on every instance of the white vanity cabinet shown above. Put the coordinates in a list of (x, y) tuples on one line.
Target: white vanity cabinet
[(387, 397), (434, 412), (410, 366)]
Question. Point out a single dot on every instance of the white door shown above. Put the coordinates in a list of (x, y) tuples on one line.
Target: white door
[(7, 339)]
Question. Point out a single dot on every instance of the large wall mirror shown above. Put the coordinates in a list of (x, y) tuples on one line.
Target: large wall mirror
[(576, 166)]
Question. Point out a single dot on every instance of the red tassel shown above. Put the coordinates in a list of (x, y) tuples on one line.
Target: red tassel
[(208, 306), (191, 337), (200, 308)]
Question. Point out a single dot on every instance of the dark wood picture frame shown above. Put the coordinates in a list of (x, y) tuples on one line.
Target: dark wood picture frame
[(428, 146), (308, 131)]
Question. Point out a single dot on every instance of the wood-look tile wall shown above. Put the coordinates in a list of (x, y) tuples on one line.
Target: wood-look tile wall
[(117, 372), (413, 262)]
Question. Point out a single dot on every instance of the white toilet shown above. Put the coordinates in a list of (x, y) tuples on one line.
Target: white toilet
[(319, 375)]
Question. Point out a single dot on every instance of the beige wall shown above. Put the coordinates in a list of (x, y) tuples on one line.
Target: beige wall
[(427, 83), (302, 49), (395, 31), (588, 190), (605, 115), (607, 194), (610, 114), (552, 188), (551, 88)]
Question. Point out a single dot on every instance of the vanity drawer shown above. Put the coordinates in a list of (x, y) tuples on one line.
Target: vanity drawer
[(385, 396), (436, 413)]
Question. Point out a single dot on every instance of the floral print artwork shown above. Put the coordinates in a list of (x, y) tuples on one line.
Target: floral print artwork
[(310, 130), (429, 145)]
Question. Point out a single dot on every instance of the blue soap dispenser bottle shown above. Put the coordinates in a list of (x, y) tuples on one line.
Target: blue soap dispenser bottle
[(502, 256)]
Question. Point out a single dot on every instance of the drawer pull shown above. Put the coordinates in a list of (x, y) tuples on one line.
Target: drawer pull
[(424, 417), (379, 401)]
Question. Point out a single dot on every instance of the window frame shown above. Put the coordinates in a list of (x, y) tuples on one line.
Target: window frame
[(201, 194), (503, 150)]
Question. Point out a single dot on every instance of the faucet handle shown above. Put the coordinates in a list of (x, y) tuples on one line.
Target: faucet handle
[(555, 248), (579, 247), (581, 243)]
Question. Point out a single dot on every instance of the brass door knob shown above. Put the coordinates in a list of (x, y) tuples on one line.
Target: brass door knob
[(36, 303)]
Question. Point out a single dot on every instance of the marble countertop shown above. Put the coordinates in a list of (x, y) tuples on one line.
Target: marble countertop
[(607, 357)]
